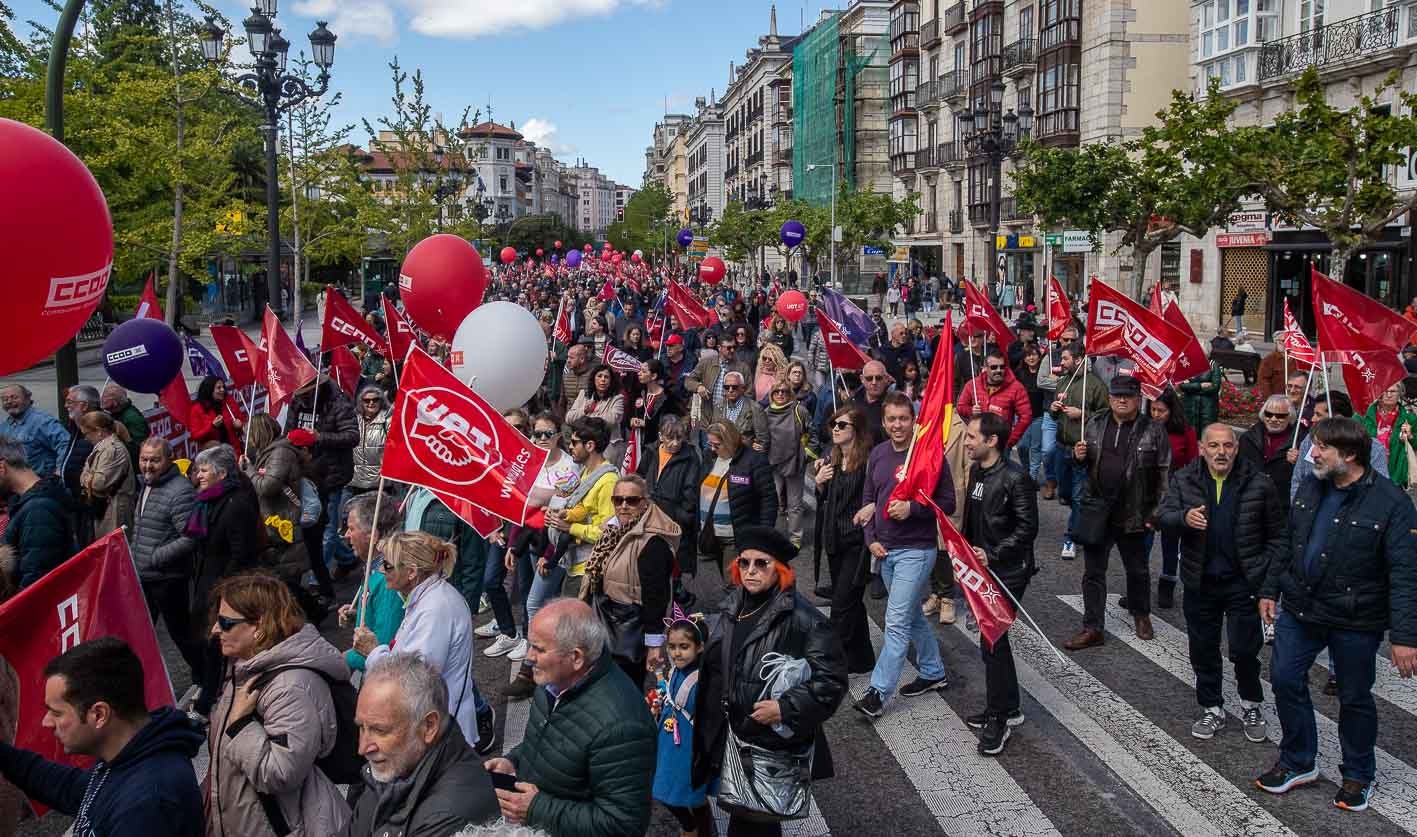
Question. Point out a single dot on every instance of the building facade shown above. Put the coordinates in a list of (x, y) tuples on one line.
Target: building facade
[(493, 150), (752, 145), (622, 199), (596, 198), (706, 193), (657, 153)]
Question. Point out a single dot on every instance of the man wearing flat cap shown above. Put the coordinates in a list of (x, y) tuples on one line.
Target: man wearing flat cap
[(1128, 460), (763, 614)]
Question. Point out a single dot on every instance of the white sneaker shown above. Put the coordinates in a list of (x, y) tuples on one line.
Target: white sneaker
[(1069, 551), (518, 652), (487, 631), (500, 646), (483, 604)]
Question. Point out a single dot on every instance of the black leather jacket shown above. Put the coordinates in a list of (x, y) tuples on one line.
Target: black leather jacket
[(1147, 469), (1260, 534), (729, 687), (1008, 505)]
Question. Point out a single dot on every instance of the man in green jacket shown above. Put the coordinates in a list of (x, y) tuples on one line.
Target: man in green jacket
[(1077, 393), (586, 766), (114, 401)]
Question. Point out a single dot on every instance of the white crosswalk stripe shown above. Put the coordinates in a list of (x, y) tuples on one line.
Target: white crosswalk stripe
[(1389, 685), (1180, 787), (1395, 796)]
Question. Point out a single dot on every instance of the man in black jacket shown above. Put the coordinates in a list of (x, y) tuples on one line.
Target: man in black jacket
[(41, 529), (1231, 521), (422, 779), (1349, 575), (327, 412), (1272, 444), (1001, 521)]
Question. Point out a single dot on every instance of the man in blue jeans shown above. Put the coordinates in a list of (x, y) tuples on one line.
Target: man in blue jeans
[(1349, 574), (902, 537)]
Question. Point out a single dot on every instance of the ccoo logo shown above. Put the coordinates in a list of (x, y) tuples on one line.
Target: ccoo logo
[(72, 291), (125, 355), (449, 435), (1146, 349)]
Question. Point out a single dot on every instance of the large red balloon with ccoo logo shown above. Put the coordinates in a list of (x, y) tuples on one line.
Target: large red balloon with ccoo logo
[(712, 270), (57, 238), (441, 281)]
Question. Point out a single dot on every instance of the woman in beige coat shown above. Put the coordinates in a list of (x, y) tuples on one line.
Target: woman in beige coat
[(265, 740), (107, 478)]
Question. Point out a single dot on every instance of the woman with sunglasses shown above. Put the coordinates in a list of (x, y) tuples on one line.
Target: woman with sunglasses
[(735, 491), (275, 715), (437, 622), (630, 575), (372, 412), (764, 615), (839, 476)]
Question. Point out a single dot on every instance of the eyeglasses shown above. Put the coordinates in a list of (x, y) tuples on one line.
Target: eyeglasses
[(784, 393), (996, 367), (873, 377), (226, 623), (633, 500), (575, 441), (387, 566), (1267, 414), (761, 564), (841, 425), (543, 434)]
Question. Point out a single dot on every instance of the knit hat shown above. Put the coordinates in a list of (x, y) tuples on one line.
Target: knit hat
[(301, 438)]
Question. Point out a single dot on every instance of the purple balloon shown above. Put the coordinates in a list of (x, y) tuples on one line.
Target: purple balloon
[(143, 355), (685, 237), (792, 233), (555, 258), (573, 258)]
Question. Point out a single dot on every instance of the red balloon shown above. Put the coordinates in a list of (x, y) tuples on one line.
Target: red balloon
[(558, 245), (616, 259), (635, 258), (442, 280), (58, 241), (792, 305), (509, 255), (588, 248), (540, 252), (712, 270)]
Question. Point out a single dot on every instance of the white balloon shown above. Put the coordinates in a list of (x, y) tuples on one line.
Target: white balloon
[(500, 352)]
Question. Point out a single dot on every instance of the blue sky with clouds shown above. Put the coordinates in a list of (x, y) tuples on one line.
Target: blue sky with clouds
[(585, 77)]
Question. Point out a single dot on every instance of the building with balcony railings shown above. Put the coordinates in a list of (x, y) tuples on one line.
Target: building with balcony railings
[(1256, 48), (705, 197), (1088, 69), (757, 114)]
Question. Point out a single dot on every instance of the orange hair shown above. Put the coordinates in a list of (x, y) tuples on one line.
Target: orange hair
[(786, 576)]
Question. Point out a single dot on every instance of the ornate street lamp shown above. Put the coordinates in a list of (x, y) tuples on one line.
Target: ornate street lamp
[(995, 134)]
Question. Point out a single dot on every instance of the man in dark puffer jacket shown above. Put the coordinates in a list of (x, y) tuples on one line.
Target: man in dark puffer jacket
[(1230, 518), (40, 528)]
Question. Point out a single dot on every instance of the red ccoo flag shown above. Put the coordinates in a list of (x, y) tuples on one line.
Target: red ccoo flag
[(1156, 306), (148, 306), (979, 315), (688, 310), (243, 359), (444, 437), (1295, 344), (1118, 326), (843, 354), (1059, 311), (990, 605), (344, 370), (1192, 361), (1361, 333), (343, 325), (932, 430), (561, 332), (287, 368), (400, 332)]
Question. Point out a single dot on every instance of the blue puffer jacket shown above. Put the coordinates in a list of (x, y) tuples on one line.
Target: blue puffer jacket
[(40, 529), (149, 790), (1367, 579)]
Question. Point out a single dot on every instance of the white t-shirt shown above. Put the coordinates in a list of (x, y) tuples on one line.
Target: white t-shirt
[(552, 477)]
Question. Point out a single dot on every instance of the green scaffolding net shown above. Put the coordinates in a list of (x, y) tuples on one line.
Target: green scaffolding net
[(815, 59)]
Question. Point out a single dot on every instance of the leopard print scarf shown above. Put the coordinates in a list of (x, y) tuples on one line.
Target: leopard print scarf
[(610, 537)]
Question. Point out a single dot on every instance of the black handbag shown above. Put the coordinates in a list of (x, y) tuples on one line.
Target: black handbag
[(1093, 514), (626, 629), (709, 544)]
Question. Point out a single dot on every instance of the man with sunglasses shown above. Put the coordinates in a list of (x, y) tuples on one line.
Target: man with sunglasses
[(739, 409), (373, 417), (1270, 445), (997, 391), (875, 383), (707, 379)]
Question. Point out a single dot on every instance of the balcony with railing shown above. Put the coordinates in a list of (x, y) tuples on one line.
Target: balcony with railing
[(783, 115), (731, 171), (925, 159), (930, 222), (754, 159), (956, 221), (952, 19), (952, 86), (903, 163), (1009, 213), (950, 155), (1019, 58), (1357, 39), (979, 214), (930, 33), (926, 95)]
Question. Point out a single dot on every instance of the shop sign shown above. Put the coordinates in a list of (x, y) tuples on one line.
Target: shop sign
[(1248, 221), (900, 255), (1256, 239), (1027, 242), (868, 250), (1077, 241), (1053, 239)]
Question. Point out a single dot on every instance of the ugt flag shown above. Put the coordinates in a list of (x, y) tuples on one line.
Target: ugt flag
[(94, 594), (446, 438)]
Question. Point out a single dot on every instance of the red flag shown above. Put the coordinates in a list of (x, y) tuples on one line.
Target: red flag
[(482, 522), (444, 437), (1118, 326), (1295, 344), (689, 311), (148, 306), (654, 329), (1192, 361), (990, 604), (344, 369), (607, 291), (620, 361), (631, 463), (561, 332), (243, 360), (932, 430), (399, 331), (1349, 320), (343, 325), (1157, 306), (1059, 311), (979, 315), (93, 594), (287, 368), (174, 397), (1367, 374), (843, 354)]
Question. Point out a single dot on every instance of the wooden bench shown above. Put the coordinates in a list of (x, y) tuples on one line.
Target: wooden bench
[(1246, 363)]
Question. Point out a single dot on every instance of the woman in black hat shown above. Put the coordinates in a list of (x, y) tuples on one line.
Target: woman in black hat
[(763, 615)]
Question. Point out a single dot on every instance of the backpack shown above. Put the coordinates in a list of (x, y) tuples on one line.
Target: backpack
[(343, 765)]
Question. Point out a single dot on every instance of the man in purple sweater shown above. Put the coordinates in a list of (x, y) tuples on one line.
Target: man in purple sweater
[(902, 536)]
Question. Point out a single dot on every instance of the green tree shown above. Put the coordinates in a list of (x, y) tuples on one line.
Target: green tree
[(529, 233), (1180, 176), (13, 52), (1331, 167), (646, 222)]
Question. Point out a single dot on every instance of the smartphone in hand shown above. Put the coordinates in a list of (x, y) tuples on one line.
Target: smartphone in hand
[(504, 781)]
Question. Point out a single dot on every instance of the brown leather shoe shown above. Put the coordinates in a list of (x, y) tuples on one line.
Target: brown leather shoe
[(1085, 638), (1144, 631), (1050, 489)]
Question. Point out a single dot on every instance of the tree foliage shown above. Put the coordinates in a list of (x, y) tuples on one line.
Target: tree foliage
[(1331, 167), (648, 223), (1180, 176), (529, 233)]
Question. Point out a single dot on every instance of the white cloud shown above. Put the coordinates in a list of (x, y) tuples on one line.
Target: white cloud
[(456, 18), (353, 18), (546, 135)]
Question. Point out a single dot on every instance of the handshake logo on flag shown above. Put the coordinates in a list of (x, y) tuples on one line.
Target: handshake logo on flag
[(464, 449), (1146, 350)]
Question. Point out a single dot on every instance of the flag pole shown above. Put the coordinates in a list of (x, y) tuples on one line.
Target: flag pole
[(315, 402), (369, 557), (1018, 606), (1083, 405), (1299, 419)]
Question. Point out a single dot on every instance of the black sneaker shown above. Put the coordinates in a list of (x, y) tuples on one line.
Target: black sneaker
[(982, 719), (486, 732), (1281, 779), (871, 704), (1331, 686), (920, 686), (1353, 796), (521, 688), (996, 735)]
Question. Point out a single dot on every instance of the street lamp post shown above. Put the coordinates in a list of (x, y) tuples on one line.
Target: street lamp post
[(832, 237), (273, 89), (995, 134)]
